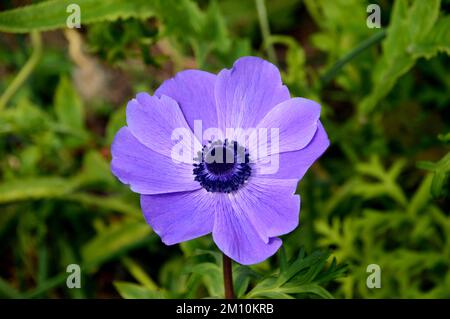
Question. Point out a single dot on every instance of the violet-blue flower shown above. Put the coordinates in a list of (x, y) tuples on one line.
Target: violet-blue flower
[(244, 204)]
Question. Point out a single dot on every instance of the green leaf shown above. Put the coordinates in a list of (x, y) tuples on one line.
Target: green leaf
[(204, 31), (211, 275), (62, 189), (242, 275), (304, 275), (133, 291), (212, 35), (104, 203), (114, 242), (438, 40), (283, 259), (181, 19), (273, 294), (25, 118), (68, 106), (444, 137), (441, 171), (6, 291), (139, 274), (35, 188), (295, 60), (333, 272), (95, 170), (421, 196), (385, 183), (53, 14), (422, 17), (307, 289), (300, 264), (215, 30), (409, 27)]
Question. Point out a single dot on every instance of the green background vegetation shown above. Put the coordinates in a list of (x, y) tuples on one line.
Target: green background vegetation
[(379, 194)]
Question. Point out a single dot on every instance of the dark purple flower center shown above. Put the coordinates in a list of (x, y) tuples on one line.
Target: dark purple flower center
[(222, 166)]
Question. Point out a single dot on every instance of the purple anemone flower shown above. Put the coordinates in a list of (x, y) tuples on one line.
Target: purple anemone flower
[(245, 200)]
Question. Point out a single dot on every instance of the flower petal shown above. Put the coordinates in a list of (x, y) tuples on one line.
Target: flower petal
[(237, 238), (270, 204), (178, 217), (247, 92), (147, 171), (194, 92), (293, 165), (295, 123), (158, 123)]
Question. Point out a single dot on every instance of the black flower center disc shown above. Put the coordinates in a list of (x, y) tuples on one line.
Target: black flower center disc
[(222, 166), (220, 160)]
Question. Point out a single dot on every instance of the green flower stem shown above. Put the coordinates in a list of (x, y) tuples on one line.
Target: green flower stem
[(265, 30), (228, 277), (25, 72), (331, 73)]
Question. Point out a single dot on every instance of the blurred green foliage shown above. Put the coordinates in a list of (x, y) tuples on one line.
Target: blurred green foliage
[(380, 194)]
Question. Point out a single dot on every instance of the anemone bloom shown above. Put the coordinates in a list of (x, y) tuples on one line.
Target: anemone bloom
[(244, 203)]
